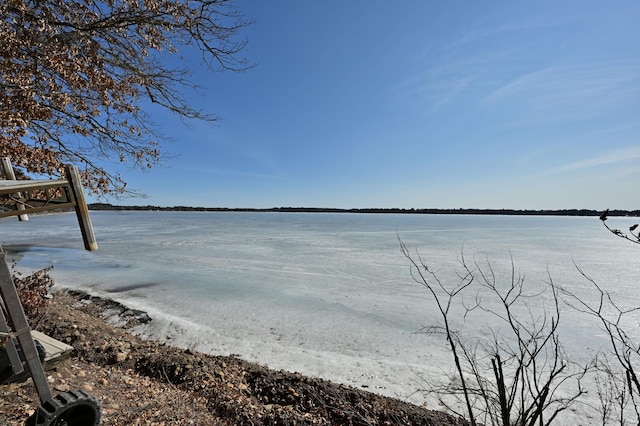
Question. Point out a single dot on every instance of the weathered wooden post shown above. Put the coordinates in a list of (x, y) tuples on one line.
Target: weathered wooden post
[(82, 211)]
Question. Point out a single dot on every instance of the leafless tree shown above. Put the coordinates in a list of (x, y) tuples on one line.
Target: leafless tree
[(517, 373), (75, 74)]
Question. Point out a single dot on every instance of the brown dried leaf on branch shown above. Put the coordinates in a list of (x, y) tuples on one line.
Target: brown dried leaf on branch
[(33, 290), (74, 74)]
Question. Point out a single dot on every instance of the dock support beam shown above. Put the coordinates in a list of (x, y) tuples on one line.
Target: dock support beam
[(82, 211)]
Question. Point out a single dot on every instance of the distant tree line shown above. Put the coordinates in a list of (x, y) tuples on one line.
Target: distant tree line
[(509, 212)]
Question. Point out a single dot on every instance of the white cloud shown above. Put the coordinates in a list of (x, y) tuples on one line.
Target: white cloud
[(614, 157), (575, 92), (505, 30)]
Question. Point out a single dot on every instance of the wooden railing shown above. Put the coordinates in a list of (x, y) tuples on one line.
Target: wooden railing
[(23, 197)]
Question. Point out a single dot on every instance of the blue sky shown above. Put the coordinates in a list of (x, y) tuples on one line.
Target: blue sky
[(423, 104)]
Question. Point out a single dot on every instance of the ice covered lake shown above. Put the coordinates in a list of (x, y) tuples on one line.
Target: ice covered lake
[(324, 294)]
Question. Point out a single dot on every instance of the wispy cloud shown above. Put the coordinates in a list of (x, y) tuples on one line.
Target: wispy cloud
[(229, 172), (450, 70), (521, 71), (441, 81), (575, 92), (615, 157), (504, 30), (230, 157), (435, 91)]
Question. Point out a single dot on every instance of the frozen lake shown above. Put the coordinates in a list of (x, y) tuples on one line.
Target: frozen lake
[(325, 294)]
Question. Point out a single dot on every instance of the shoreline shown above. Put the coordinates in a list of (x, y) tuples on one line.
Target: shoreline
[(221, 389)]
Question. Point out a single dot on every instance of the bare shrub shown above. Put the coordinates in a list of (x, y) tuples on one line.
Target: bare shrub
[(33, 290), (612, 392), (517, 373), (619, 367)]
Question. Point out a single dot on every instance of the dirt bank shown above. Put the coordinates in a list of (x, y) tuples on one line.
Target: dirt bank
[(142, 382)]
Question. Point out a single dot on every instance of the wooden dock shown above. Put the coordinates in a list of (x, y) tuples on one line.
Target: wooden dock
[(56, 351), (21, 198)]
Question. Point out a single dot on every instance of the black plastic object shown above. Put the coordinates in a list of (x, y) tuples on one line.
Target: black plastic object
[(73, 408), (6, 372)]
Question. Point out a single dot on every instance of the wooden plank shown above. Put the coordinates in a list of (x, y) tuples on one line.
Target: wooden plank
[(48, 207), (11, 186), (56, 351)]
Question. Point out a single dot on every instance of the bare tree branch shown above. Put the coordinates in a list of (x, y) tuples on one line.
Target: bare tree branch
[(518, 373), (74, 76)]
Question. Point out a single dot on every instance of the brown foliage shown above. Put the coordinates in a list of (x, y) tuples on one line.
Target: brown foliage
[(73, 75), (33, 290)]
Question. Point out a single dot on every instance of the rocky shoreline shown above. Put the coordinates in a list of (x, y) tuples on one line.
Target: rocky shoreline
[(140, 382)]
